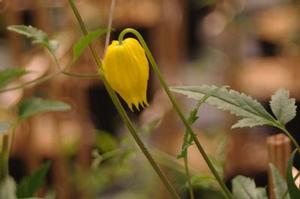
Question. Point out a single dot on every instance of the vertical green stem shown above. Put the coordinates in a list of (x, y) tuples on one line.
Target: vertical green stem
[(123, 113), (225, 190), (187, 171)]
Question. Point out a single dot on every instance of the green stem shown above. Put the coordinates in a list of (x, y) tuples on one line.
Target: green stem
[(187, 171), (30, 83), (225, 190), (122, 112), (281, 127)]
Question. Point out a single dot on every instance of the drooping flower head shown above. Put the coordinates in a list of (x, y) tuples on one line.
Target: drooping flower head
[(126, 69)]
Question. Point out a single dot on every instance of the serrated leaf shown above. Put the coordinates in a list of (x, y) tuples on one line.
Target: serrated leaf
[(280, 186), (36, 35), (85, 41), (8, 188), (10, 74), (4, 126), (29, 185), (292, 188), (249, 122), (239, 104), (245, 188), (33, 106), (282, 106)]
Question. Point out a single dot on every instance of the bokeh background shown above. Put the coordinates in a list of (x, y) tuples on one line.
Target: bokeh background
[(252, 46)]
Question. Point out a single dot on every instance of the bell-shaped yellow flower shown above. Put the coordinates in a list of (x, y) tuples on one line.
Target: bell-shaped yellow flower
[(126, 69)]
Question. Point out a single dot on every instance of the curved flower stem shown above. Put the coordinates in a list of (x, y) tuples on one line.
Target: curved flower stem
[(122, 111), (225, 190)]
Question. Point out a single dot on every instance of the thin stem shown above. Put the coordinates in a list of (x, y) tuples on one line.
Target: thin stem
[(80, 75), (122, 112), (30, 83), (110, 19), (225, 190), (187, 171), (290, 136)]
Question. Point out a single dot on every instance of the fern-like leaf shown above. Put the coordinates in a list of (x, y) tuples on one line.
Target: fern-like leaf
[(239, 104), (282, 106), (36, 35)]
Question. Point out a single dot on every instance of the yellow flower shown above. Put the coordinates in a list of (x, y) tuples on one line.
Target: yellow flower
[(127, 71)]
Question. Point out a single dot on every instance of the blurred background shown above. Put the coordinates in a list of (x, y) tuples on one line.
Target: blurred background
[(252, 46)]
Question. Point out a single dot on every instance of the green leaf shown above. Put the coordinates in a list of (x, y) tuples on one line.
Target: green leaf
[(239, 104), (33, 106), (8, 189), (245, 188), (10, 74), (36, 35), (282, 106), (292, 187), (4, 126), (280, 186), (29, 185), (85, 41)]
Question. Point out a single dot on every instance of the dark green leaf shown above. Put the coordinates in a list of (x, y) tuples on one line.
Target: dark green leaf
[(33, 106), (4, 126), (10, 74), (293, 189), (85, 41), (29, 185), (8, 189), (279, 183), (36, 35)]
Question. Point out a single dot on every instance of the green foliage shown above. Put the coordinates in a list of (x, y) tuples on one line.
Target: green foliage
[(10, 74), (148, 128), (239, 104), (8, 188), (4, 126), (204, 182), (280, 186), (292, 187), (282, 106), (105, 142), (29, 185), (33, 106), (83, 42), (188, 141), (36, 35), (245, 188)]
